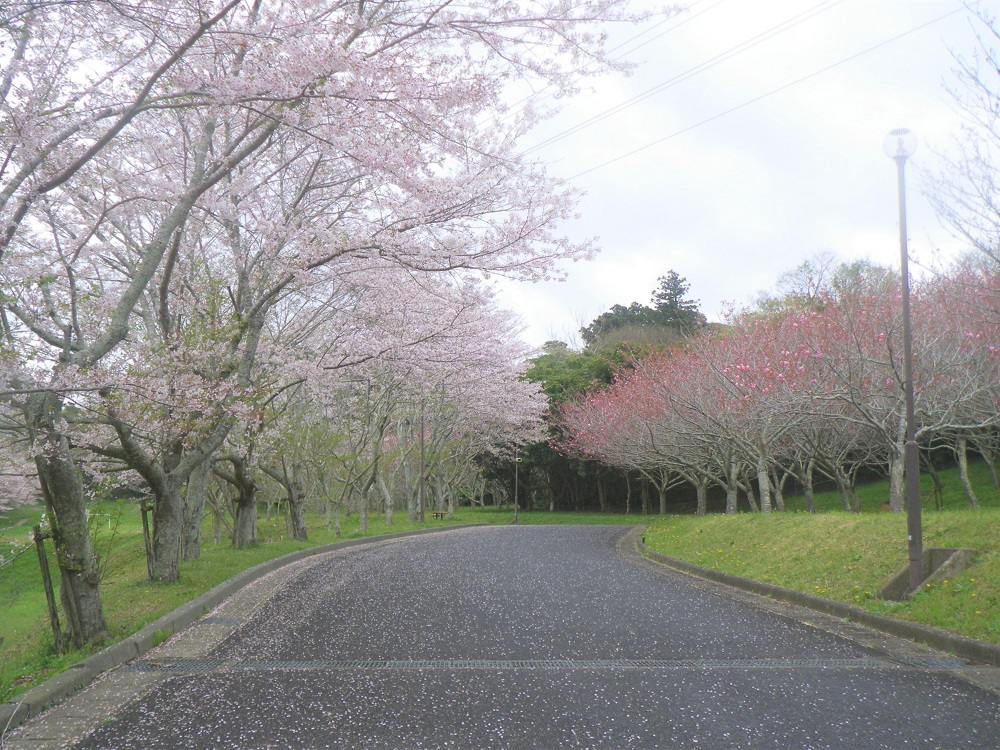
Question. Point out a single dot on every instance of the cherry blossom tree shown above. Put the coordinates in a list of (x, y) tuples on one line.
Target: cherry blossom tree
[(811, 385), (142, 138), (959, 346), (965, 192), (653, 419)]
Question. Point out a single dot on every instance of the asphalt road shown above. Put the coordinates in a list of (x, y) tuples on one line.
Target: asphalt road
[(537, 637)]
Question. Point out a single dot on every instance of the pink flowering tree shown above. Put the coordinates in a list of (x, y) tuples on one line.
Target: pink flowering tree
[(811, 385), (142, 143), (460, 382), (959, 347)]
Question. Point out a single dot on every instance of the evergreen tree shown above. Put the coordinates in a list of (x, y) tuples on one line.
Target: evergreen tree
[(671, 307), (671, 313)]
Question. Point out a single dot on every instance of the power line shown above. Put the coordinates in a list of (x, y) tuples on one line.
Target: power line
[(684, 20), (767, 94), (547, 91), (738, 49)]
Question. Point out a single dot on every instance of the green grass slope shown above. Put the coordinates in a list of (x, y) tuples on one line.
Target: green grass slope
[(849, 556)]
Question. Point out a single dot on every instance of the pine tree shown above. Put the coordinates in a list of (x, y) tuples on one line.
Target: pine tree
[(671, 306)]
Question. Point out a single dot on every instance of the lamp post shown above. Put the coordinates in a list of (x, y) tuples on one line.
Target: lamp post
[(899, 144), (423, 470), (517, 461)]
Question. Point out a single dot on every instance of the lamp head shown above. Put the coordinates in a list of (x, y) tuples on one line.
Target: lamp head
[(900, 143)]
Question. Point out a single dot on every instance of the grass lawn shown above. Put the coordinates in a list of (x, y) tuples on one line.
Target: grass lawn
[(848, 556)]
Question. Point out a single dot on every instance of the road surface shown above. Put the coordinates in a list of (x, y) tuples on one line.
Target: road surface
[(532, 637)]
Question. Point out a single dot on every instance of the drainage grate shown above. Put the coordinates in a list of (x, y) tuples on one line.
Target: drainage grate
[(789, 664), (280, 666), (937, 663), (176, 665), (192, 666)]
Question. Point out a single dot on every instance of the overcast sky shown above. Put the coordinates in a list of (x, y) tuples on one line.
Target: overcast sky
[(731, 184)]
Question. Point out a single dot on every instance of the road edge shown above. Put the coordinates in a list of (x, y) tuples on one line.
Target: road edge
[(959, 645), (58, 688)]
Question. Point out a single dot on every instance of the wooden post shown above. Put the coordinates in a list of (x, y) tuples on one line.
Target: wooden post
[(144, 509), (50, 596)]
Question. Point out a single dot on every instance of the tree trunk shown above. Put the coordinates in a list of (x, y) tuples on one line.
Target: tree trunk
[(217, 516), (932, 472), (166, 474), (244, 506), (845, 500), (440, 490), (845, 488), (168, 522), (295, 499), (644, 495), (896, 467), (763, 484), (896, 481), (701, 491), (363, 511), (602, 498), (387, 498), (297, 503), (805, 477), (413, 502), (732, 488), (371, 484), (286, 515), (990, 457), (526, 493), (194, 510), (62, 490), (366, 493), (80, 577), (961, 445), (751, 497), (245, 522), (297, 511), (779, 489), (576, 491)]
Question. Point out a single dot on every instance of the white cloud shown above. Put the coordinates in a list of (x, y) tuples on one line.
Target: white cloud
[(732, 203)]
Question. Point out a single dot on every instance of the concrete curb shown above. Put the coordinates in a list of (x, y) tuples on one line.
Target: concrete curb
[(61, 686), (962, 646)]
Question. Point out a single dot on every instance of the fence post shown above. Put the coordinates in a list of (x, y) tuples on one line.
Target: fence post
[(145, 536), (50, 596)]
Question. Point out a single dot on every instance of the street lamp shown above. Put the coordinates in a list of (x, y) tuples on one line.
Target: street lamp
[(423, 469), (517, 461), (899, 144)]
